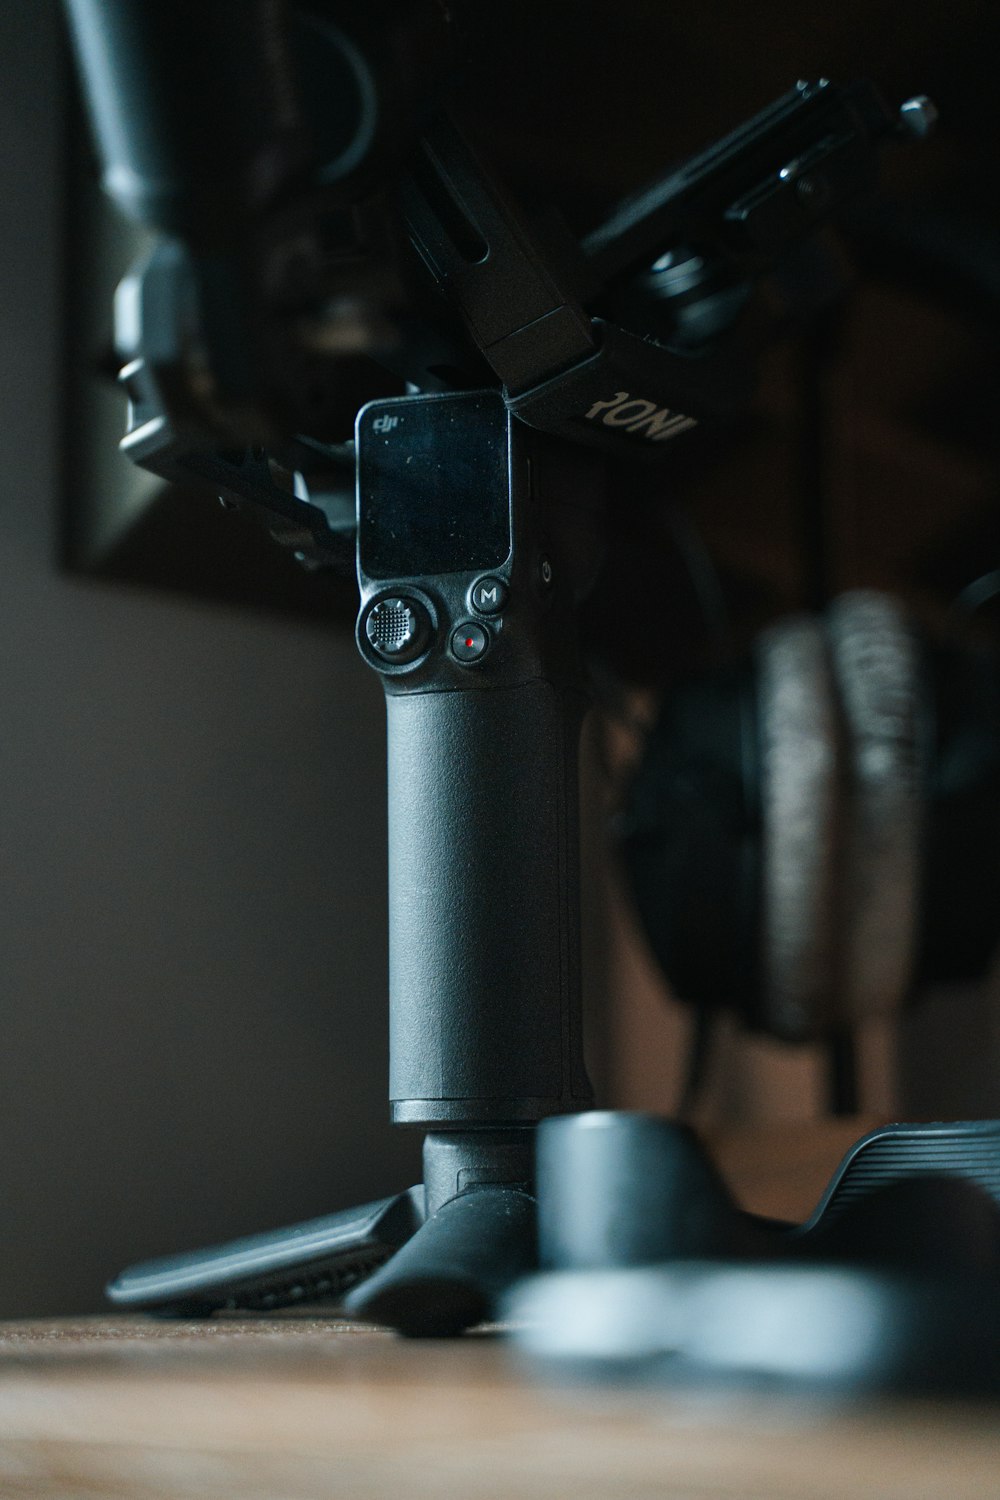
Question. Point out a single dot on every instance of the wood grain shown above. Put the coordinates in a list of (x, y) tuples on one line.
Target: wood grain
[(298, 1409)]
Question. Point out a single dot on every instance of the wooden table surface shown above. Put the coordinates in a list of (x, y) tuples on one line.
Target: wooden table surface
[(310, 1409)]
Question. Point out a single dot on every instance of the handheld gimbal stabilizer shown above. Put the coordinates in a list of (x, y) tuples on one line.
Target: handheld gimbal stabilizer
[(305, 245)]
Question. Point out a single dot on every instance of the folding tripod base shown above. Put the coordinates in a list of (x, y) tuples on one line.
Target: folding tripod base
[(429, 1262), (648, 1257)]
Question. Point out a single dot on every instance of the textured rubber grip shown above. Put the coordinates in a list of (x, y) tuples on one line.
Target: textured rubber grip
[(483, 905)]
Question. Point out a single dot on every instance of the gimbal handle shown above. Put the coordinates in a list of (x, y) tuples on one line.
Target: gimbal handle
[(484, 982), (468, 615)]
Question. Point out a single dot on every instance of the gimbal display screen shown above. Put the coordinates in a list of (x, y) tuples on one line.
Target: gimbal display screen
[(433, 482)]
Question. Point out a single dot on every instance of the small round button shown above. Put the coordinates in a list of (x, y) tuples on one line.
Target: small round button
[(489, 595), (469, 642), (398, 629)]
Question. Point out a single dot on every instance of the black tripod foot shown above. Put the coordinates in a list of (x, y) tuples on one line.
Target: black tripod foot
[(453, 1272)]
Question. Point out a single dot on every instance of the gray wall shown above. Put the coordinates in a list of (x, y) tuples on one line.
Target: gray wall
[(192, 973), (192, 922)]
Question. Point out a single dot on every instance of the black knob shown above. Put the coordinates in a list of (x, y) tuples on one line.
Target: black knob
[(398, 629)]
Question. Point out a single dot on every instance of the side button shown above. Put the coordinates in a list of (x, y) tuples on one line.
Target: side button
[(488, 595), (469, 642)]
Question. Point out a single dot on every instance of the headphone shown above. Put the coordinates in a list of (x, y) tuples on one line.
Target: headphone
[(814, 833)]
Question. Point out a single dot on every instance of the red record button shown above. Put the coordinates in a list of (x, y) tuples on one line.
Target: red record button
[(469, 642)]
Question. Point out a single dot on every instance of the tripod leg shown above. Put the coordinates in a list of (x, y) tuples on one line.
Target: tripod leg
[(452, 1272), (303, 1263)]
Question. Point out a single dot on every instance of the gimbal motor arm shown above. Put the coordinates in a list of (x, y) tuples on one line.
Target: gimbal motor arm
[(308, 243)]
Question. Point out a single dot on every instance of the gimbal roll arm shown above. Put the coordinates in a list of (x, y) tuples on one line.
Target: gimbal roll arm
[(323, 231)]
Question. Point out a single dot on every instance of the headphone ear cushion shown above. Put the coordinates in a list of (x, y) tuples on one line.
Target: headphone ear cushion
[(731, 835), (689, 836), (773, 832), (801, 801), (877, 666), (960, 895)]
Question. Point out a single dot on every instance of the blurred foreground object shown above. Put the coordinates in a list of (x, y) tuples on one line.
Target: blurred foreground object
[(893, 1283)]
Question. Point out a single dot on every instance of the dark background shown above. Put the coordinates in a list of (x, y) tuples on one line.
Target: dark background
[(192, 943)]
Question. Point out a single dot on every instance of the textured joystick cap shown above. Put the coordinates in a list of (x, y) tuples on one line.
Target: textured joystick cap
[(398, 629)]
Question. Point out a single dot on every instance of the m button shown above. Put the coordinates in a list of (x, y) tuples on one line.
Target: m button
[(489, 595)]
